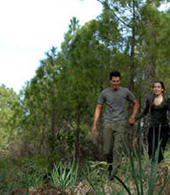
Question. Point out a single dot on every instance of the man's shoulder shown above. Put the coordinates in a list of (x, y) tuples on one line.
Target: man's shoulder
[(121, 89), (106, 90), (124, 89)]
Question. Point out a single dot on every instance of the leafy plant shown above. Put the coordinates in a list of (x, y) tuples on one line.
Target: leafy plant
[(6, 182), (30, 175), (28, 180), (64, 175)]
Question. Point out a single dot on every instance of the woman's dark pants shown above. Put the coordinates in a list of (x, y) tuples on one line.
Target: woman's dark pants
[(157, 140)]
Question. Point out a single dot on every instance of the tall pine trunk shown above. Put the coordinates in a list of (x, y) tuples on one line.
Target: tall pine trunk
[(132, 73), (149, 65)]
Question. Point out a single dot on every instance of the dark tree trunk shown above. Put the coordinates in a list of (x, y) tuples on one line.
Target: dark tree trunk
[(132, 70), (53, 130)]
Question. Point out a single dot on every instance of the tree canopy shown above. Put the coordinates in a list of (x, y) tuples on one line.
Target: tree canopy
[(53, 114)]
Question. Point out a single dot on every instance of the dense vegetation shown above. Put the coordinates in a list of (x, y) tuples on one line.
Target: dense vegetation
[(49, 122)]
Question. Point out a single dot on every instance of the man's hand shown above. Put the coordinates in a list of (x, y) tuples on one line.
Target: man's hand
[(96, 117), (131, 120), (94, 131), (135, 110)]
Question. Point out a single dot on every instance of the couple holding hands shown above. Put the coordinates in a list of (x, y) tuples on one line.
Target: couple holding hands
[(115, 126)]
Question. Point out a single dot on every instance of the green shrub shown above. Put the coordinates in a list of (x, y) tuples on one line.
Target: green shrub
[(64, 175)]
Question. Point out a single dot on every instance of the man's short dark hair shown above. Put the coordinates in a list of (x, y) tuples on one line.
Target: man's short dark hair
[(114, 73)]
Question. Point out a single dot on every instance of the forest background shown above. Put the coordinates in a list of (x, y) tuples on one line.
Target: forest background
[(51, 117)]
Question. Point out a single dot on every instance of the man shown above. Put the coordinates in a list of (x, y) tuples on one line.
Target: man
[(115, 129)]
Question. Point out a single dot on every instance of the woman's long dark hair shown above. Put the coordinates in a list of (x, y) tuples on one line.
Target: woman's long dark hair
[(163, 93), (160, 82)]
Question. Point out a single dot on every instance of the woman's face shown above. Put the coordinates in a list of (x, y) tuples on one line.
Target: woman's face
[(157, 89)]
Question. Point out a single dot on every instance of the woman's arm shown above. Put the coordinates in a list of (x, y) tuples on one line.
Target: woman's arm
[(145, 111)]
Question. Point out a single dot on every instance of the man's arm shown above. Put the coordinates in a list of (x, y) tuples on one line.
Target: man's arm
[(96, 117), (135, 110)]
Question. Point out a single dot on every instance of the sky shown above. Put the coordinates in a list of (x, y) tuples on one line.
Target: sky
[(29, 28)]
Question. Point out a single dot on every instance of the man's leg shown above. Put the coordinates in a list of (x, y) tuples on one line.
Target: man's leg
[(120, 139), (108, 145)]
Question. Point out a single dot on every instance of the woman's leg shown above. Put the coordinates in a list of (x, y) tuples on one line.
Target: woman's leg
[(157, 139), (164, 135), (151, 143)]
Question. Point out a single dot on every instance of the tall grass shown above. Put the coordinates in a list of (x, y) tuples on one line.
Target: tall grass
[(143, 172)]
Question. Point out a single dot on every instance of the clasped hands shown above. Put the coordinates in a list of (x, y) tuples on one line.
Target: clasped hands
[(131, 120)]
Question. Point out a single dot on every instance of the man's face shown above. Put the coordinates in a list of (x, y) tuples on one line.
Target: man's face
[(115, 82)]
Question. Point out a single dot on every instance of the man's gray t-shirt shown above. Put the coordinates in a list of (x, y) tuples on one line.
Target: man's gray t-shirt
[(115, 101)]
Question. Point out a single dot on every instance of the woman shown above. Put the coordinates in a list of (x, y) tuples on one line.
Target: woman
[(157, 104)]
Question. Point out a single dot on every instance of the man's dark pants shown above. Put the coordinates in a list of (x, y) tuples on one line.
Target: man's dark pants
[(114, 140)]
